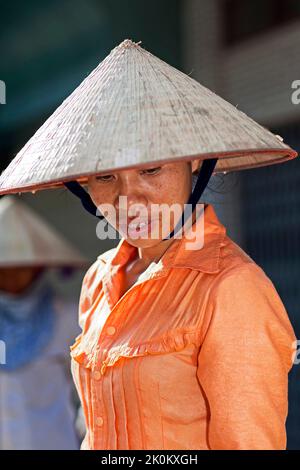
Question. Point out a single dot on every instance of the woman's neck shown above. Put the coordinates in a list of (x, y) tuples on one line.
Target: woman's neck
[(147, 255), (153, 253)]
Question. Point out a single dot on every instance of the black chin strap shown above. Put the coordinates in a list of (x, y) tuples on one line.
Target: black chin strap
[(205, 173), (84, 196)]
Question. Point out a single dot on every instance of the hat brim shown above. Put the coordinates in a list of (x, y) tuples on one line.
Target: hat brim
[(227, 162)]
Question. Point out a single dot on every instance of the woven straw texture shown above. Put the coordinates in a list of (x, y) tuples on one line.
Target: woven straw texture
[(27, 240), (134, 109)]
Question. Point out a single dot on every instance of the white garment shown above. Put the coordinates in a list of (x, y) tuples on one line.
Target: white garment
[(37, 409)]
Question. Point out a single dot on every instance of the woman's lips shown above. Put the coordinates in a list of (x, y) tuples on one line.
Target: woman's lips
[(138, 228)]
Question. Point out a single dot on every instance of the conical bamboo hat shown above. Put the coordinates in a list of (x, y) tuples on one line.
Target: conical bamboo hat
[(27, 240), (134, 109)]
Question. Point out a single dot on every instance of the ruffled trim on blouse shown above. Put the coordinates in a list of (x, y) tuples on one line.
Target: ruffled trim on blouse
[(77, 352), (174, 341)]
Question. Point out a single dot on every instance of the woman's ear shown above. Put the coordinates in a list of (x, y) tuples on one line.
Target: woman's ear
[(196, 165)]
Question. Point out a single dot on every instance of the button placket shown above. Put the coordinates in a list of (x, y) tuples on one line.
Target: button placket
[(99, 421), (103, 368), (98, 412), (153, 271), (97, 375), (101, 354), (110, 330), (106, 339)]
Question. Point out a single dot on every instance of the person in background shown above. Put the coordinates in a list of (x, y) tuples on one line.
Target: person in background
[(37, 398)]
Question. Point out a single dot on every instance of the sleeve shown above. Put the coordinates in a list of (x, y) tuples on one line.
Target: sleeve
[(243, 362), (90, 288)]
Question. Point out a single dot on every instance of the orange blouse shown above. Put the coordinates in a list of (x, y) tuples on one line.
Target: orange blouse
[(195, 355)]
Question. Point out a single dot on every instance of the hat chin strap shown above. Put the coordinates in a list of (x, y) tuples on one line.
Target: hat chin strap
[(84, 196), (205, 173)]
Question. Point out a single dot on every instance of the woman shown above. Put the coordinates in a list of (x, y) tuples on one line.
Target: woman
[(185, 343)]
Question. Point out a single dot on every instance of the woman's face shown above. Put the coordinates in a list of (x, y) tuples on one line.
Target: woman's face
[(144, 205), (16, 279)]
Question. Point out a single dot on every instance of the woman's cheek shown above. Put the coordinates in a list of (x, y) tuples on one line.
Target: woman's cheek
[(101, 196)]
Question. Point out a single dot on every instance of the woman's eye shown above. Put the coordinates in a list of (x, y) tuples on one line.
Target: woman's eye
[(105, 178), (151, 171)]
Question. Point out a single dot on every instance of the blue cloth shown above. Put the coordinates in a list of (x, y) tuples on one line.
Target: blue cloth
[(27, 323)]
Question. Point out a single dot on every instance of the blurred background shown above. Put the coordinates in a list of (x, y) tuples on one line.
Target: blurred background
[(246, 51)]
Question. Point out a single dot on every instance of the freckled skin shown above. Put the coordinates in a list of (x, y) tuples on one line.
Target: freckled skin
[(169, 184)]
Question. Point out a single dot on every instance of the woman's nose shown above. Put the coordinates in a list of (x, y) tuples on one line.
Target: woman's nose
[(129, 192), (125, 201)]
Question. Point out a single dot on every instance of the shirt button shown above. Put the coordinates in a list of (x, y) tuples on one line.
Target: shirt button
[(97, 375), (110, 330), (99, 421)]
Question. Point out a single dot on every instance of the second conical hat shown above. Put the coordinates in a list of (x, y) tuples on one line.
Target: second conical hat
[(27, 240), (133, 110)]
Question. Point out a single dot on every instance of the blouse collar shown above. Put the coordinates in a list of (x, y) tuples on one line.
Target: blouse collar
[(184, 252)]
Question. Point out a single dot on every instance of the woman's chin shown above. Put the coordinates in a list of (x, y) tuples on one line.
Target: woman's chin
[(142, 242)]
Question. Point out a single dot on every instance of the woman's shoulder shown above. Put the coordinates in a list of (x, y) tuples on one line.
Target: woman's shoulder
[(107, 255), (244, 290), (240, 276), (233, 255), (92, 283), (236, 262)]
